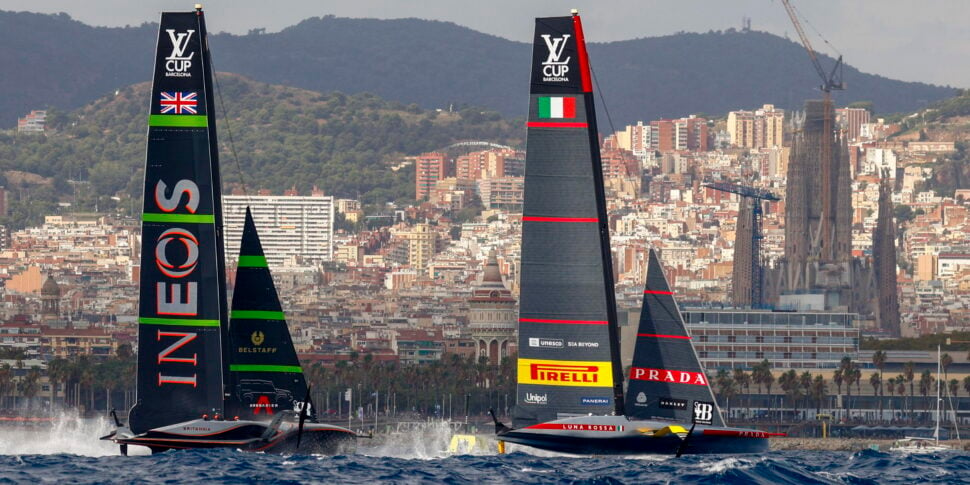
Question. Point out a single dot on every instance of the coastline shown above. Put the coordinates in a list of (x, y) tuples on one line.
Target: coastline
[(844, 444)]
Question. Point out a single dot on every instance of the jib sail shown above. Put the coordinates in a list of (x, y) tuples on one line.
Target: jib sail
[(568, 362), (666, 380), (265, 373), (182, 295)]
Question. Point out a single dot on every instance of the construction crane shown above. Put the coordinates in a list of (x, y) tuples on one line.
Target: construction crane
[(831, 81), (749, 262)]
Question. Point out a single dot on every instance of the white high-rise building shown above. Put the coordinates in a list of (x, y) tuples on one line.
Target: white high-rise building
[(295, 231)]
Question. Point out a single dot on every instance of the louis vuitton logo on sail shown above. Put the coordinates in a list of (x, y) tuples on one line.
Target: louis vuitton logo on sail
[(177, 64), (554, 68)]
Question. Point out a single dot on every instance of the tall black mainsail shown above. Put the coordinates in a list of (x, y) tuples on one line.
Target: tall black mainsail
[(568, 361), (666, 380), (265, 373), (183, 292)]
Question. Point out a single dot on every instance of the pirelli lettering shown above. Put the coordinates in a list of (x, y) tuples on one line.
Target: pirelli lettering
[(565, 373)]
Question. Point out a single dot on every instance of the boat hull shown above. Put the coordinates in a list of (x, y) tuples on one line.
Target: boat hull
[(265, 436), (617, 435)]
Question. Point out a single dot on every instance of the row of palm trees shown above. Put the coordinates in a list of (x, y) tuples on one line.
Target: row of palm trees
[(805, 391), (87, 383)]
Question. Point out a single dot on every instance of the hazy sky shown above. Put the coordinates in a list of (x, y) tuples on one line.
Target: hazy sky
[(925, 40)]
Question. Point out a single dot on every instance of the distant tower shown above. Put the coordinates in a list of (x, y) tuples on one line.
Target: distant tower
[(818, 214), (50, 299), (492, 315), (884, 261)]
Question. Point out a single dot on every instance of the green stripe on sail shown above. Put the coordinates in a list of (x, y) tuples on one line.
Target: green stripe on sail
[(192, 218), (179, 121), (182, 322), (252, 261), (295, 369), (257, 315), (545, 107)]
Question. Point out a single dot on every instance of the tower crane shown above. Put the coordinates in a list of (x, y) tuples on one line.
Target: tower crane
[(757, 260), (831, 81)]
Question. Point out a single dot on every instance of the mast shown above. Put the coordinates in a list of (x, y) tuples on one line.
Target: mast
[(210, 104), (568, 362), (182, 297), (936, 431)]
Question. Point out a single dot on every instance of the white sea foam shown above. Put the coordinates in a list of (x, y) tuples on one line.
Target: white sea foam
[(725, 464), (66, 433)]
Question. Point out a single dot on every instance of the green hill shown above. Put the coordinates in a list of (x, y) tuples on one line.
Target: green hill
[(52, 60), (283, 137)]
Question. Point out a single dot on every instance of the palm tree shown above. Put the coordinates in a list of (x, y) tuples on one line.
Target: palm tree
[(945, 362), (29, 385), (805, 382), (819, 391), (789, 382), (926, 380), (6, 381), (838, 377), (742, 381), (725, 386), (909, 374), (966, 384), (57, 372), (954, 388), (876, 382), (761, 375)]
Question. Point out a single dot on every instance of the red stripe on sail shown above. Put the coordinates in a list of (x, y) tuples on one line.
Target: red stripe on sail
[(657, 292), (565, 322), (668, 375), (583, 59), (558, 124), (685, 337), (559, 219)]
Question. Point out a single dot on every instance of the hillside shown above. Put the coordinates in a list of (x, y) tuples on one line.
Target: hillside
[(435, 64), (284, 137)]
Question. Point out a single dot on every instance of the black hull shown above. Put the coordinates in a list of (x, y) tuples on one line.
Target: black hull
[(618, 435), (316, 438), (637, 445)]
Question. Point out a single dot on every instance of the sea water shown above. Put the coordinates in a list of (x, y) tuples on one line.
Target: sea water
[(69, 452)]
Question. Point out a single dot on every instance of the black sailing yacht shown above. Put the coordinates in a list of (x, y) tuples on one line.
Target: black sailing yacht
[(207, 379), (570, 380)]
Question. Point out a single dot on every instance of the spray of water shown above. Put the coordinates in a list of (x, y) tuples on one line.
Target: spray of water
[(67, 433)]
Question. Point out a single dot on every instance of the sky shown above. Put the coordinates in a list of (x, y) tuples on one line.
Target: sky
[(925, 40)]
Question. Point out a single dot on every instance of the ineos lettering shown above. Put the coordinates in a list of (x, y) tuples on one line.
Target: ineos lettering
[(184, 338), (169, 204)]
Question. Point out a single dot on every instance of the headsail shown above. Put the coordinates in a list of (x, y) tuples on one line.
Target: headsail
[(265, 373), (666, 379), (182, 297), (568, 358)]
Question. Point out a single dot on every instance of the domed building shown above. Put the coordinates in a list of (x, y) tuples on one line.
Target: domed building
[(492, 315), (50, 298)]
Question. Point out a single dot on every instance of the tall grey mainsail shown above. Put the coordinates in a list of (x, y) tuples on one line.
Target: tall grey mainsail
[(568, 358)]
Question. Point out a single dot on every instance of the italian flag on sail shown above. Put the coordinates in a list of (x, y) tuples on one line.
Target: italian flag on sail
[(557, 107)]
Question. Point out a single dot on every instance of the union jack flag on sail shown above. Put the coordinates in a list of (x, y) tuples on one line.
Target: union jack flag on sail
[(178, 103)]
